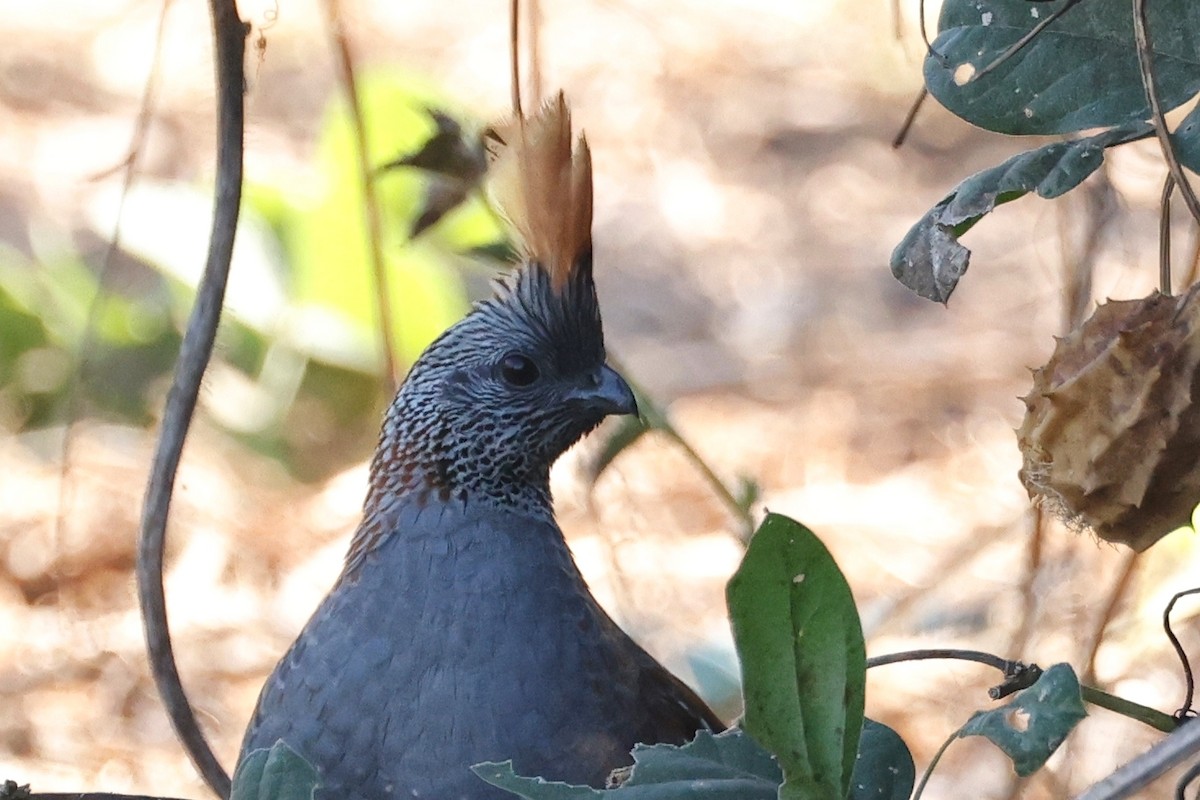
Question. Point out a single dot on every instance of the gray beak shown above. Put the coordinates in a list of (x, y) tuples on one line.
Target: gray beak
[(607, 393)]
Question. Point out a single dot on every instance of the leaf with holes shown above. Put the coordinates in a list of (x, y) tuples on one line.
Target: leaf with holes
[(800, 641), (1032, 726), (726, 766), (1079, 72), (930, 260)]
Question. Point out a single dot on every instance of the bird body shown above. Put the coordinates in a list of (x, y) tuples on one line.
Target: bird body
[(460, 629)]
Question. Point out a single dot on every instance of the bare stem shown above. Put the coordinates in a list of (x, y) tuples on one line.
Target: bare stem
[(373, 218), (1145, 54), (1164, 236), (933, 762), (656, 419), (229, 33), (514, 45), (1135, 711), (1115, 595), (909, 119)]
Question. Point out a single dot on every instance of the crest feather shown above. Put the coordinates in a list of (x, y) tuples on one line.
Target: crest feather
[(543, 186)]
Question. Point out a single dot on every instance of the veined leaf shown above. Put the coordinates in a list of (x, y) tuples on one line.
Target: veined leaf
[(276, 774), (930, 260), (726, 766), (1080, 72), (800, 641), (1031, 727)]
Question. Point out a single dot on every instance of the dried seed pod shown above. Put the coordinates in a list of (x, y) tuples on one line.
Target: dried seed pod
[(1111, 437)]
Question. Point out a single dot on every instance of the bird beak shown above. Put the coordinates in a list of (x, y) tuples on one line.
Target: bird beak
[(608, 393)]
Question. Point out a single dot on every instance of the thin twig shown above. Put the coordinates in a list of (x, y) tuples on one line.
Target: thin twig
[(514, 45), (1029, 575), (1145, 54), (535, 51), (933, 762), (1189, 694), (1127, 708), (366, 174), (1115, 595), (1188, 777), (1143, 770), (1164, 235), (909, 119), (944, 653), (1019, 669), (137, 141), (929, 51), (656, 419), (229, 34), (744, 517), (1025, 39)]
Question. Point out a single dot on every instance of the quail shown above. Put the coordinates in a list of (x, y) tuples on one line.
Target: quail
[(460, 629)]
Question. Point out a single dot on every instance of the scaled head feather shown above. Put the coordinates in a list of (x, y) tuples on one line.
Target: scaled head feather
[(542, 182)]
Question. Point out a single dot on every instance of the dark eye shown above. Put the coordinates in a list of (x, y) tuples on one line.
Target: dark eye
[(518, 370)]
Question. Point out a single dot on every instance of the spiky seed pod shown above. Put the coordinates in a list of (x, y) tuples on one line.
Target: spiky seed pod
[(1111, 437)]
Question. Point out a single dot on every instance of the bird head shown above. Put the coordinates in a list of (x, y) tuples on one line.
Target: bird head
[(495, 400)]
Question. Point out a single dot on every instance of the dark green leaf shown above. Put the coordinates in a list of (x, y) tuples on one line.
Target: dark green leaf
[(930, 260), (727, 766), (333, 298), (884, 769), (456, 164), (800, 641), (500, 774), (1031, 727), (1080, 72), (1187, 140), (449, 152), (276, 774)]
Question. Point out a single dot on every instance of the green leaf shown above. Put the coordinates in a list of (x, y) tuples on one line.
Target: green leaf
[(726, 766), (930, 260), (800, 641), (322, 225), (276, 774), (1032, 726), (455, 163), (1186, 139), (884, 769), (1080, 72)]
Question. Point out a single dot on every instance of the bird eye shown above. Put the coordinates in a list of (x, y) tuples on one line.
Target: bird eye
[(518, 370)]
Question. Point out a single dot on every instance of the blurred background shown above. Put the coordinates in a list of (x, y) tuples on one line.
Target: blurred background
[(747, 200)]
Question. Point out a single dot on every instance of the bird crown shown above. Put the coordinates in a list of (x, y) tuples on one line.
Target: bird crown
[(542, 182)]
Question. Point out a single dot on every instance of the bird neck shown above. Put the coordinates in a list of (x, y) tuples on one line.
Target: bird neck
[(421, 465), (423, 460)]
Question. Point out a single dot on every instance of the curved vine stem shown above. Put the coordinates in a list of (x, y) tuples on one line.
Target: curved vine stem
[(655, 418), (1145, 54), (933, 762), (229, 34), (1135, 711), (1164, 235)]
